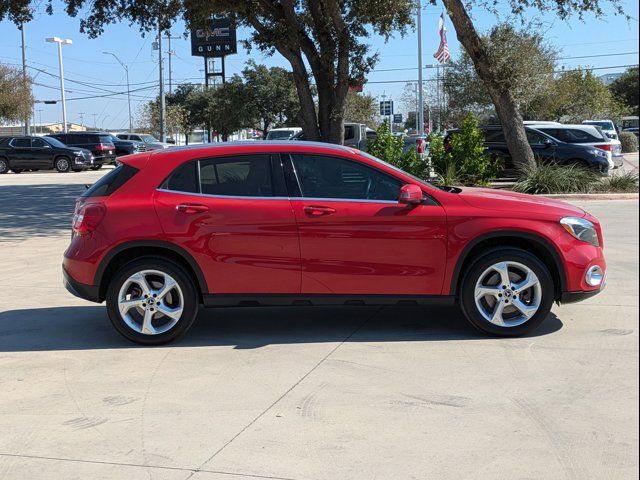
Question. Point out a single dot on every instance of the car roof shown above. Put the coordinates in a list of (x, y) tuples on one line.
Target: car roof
[(260, 146)]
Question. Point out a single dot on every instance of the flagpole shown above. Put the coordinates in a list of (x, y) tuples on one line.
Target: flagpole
[(420, 112)]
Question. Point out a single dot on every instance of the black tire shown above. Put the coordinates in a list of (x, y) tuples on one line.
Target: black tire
[(62, 164), (96, 167), (16, 170), (4, 166), (185, 284), (486, 261)]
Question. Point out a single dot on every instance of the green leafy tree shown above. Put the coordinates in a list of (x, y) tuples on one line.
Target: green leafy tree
[(390, 148), (149, 118), (487, 64), (181, 97), (325, 42), (361, 108), (16, 100), (526, 64), (577, 95), (626, 89), (226, 111), (272, 99)]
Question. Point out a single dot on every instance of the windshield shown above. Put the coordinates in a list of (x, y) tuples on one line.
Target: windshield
[(603, 125), (280, 134), (149, 139), (54, 142)]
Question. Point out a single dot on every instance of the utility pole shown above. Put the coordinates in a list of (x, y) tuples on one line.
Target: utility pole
[(40, 118), (170, 53), (95, 121), (420, 112), (81, 118), (126, 71), (162, 106), (60, 42), (27, 129)]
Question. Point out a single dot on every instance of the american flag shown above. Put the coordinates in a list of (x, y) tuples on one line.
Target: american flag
[(442, 55)]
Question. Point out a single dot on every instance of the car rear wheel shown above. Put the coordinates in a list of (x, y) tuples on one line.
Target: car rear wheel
[(152, 301), (62, 164), (96, 167), (4, 166), (507, 292)]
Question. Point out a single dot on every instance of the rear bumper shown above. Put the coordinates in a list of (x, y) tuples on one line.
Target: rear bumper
[(80, 290)]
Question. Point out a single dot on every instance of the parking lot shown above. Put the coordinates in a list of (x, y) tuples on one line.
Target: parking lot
[(306, 393)]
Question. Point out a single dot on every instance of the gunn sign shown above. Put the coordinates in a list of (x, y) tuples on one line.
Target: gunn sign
[(218, 41)]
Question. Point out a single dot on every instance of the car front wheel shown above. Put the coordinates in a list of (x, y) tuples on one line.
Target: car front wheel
[(62, 164), (152, 301), (507, 292)]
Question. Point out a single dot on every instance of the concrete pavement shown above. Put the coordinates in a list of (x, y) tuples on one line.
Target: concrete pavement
[(318, 393)]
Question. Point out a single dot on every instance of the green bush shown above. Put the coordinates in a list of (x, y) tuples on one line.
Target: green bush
[(629, 142), (547, 178), (625, 182), (390, 148), (466, 162)]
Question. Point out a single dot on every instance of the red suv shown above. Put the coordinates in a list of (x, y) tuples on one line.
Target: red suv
[(263, 223)]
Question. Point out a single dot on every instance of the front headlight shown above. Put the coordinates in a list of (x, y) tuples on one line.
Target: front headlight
[(581, 229)]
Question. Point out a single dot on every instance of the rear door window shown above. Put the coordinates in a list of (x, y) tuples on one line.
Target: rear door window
[(38, 143), (494, 136), (183, 179), (243, 176)]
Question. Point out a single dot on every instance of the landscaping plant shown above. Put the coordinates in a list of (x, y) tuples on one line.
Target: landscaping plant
[(629, 142), (390, 148)]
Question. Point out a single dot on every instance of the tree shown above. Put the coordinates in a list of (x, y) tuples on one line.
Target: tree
[(361, 108), (487, 65), (626, 89), (181, 97), (271, 96), (577, 95), (16, 100), (526, 64), (226, 108), (149, 117), (329, 36)]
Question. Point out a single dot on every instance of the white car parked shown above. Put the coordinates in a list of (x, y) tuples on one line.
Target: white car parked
[(284, 133), (607, 126)]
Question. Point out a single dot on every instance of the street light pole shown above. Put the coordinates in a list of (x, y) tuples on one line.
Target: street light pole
[(163, 137), (60, 42), (126, 70), (27, 129), (420, 111)]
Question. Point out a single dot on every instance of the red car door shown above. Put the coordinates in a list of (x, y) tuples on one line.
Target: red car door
[(229, 214), (355, 238)]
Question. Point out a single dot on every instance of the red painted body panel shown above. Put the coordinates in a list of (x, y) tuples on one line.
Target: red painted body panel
[(278, 246)]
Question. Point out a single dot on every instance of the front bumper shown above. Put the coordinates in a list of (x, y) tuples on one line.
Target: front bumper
[(80, 290), (573, 297)]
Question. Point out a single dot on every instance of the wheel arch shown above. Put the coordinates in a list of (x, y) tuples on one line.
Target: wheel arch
[(532, 243), (129, 251)]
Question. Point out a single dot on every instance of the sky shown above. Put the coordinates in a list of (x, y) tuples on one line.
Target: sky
[(602, 44)]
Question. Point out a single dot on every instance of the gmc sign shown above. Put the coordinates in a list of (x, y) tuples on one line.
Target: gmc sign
[(218, 41)]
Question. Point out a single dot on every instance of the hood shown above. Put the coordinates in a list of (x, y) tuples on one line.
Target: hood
[(517, 203)]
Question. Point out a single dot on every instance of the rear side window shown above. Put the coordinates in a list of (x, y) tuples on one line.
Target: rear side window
[(21, 143), (494, 136), (111, 182)]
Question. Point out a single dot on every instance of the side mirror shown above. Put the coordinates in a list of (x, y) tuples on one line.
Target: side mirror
[(548, 143), (411, 195)]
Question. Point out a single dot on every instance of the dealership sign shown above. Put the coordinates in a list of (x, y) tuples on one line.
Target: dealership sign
[(218, 41)]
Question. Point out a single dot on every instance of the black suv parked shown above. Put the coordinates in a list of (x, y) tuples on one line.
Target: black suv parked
[(127, 147), (99, 143), (545, 148), (41, 153)]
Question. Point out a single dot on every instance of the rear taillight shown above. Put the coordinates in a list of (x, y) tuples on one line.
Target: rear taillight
[(87, 217), (102, 146), (420, 145), (605, 146)]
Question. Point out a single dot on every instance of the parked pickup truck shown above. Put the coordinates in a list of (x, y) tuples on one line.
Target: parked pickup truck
[(356, 135)]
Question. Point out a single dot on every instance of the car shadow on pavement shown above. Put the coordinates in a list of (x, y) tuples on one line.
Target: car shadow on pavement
[(85, 328), (35, 210)]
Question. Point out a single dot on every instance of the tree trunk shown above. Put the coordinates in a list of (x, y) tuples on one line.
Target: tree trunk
[(503, 100)]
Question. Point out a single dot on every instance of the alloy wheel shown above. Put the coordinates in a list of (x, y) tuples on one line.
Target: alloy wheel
[(150, 302), (508, 294)]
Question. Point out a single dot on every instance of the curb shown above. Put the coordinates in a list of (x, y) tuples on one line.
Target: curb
[(593, 196)]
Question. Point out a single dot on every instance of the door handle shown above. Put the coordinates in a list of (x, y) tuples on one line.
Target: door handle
[(317, 211), (191, 208)]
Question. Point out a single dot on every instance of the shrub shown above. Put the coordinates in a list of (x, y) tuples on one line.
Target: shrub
[(466, 162), (552, 178), (625, 182), (390, 148), (629, 142)]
